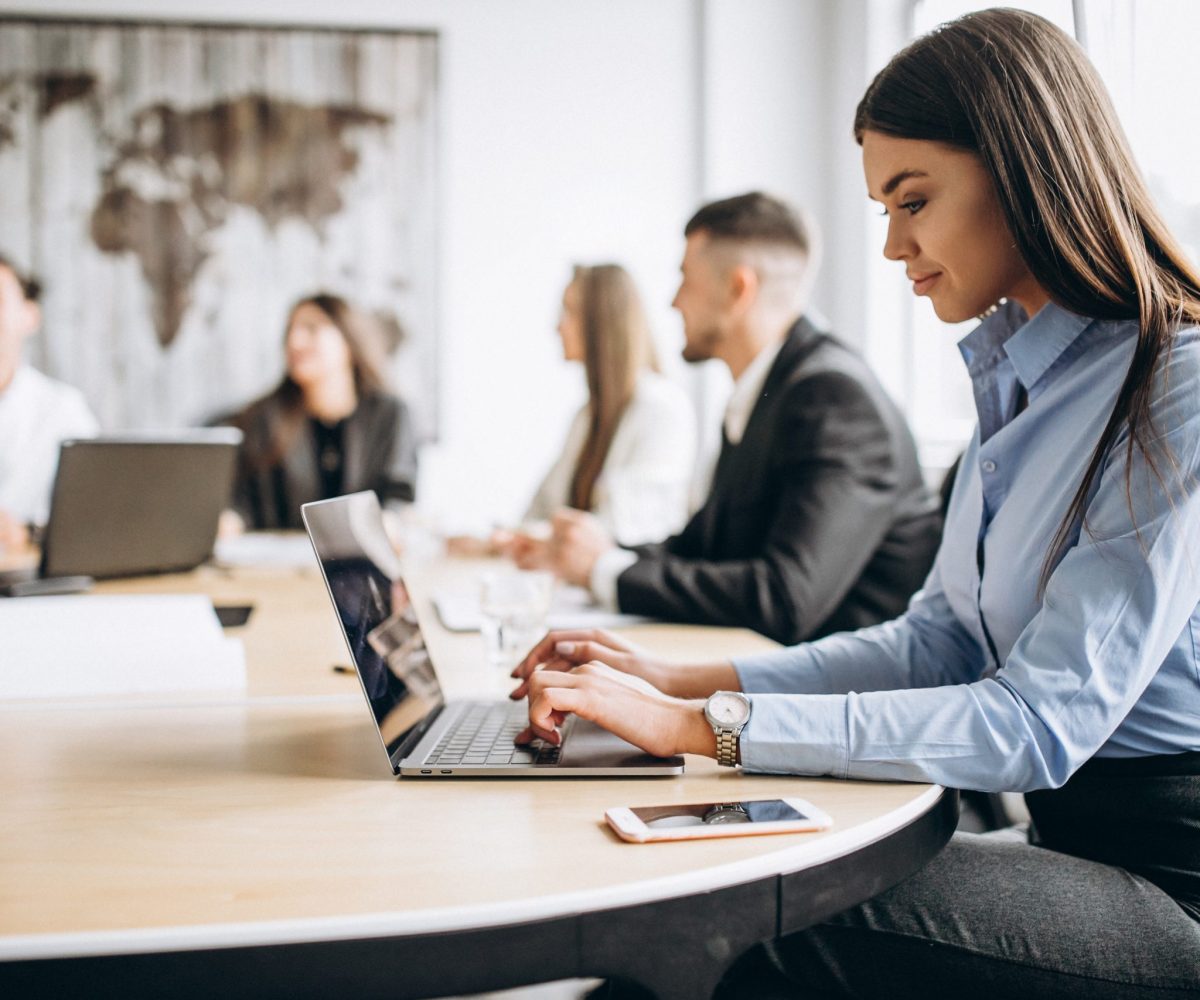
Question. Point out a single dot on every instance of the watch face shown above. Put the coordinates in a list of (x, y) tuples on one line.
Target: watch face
[(728, 709), (725, 814)]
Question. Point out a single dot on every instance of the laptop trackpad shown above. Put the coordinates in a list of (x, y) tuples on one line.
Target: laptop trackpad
[(587, 745)]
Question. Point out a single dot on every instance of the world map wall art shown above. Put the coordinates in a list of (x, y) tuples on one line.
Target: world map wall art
[(177, 187)]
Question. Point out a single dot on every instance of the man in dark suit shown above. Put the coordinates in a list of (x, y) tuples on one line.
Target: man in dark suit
[(817, 520)]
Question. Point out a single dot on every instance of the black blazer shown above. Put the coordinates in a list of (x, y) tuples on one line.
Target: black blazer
[(818, 521), (379, 451)]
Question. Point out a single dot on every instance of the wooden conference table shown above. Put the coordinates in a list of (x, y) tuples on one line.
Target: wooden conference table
[(255, 844)]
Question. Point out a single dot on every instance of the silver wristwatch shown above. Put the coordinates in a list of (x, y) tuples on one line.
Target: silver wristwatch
[(727, 712)]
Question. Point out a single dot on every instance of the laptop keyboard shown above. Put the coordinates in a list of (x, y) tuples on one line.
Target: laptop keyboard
[(484, 734)]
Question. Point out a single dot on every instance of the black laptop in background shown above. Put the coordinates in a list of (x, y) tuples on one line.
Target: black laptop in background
[(134, 504)]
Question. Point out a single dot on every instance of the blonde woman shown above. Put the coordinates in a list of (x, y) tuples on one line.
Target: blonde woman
[(629, 452)]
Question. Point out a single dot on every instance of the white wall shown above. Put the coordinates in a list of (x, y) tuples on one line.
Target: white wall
[(581, 130)]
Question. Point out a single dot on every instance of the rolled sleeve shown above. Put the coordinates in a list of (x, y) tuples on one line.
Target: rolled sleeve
[(787, 734)]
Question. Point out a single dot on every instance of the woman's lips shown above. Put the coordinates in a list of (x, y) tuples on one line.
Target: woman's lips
[(923, 282)]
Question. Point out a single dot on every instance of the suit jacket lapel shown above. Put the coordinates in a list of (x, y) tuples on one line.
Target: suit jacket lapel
[(300, 467), (799, 342), (740, 466), (354, 451)]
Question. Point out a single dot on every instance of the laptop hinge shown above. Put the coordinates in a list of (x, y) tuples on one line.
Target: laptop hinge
[(415, 735)]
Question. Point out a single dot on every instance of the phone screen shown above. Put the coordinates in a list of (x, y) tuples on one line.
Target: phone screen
[(718, 813)]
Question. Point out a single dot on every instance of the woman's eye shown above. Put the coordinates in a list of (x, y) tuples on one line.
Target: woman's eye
[(911, 207)]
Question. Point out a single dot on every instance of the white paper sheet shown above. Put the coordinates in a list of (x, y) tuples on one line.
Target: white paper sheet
[(264, 548), (65, 647)]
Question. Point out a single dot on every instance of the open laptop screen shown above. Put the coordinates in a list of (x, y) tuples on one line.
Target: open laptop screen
[(373, 606)]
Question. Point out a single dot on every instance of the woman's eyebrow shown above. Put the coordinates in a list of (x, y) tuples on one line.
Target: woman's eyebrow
[(899, 178)]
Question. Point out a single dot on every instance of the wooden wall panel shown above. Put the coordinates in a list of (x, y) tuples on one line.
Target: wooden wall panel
[(176, 187)]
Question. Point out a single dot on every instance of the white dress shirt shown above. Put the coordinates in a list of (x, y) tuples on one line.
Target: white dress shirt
[(746, 392), (36, 415)]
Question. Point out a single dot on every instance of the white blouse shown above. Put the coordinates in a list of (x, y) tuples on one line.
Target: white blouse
[(641, 494), (36, 415)]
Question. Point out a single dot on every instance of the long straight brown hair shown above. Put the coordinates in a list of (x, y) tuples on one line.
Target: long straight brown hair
[(1016, 90), (617, 347), (368, 360)]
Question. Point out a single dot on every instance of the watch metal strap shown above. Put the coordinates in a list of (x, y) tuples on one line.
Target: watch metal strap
[(727, 747)]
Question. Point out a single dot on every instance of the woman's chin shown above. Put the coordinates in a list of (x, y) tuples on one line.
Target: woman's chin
[(950, 312)]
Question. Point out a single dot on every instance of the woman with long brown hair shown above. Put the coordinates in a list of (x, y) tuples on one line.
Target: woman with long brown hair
[(330, 426), (629, 453), (1053, 650)]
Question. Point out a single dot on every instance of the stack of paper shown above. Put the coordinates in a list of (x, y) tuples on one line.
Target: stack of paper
[(64, 647), (278, 550)]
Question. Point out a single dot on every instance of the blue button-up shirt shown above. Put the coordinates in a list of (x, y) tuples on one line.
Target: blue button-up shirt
[(982, 683)]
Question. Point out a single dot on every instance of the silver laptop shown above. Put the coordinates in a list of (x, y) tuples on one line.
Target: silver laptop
[(423, 734)]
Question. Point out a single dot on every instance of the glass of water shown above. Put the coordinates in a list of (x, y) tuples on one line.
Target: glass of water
[(513, 605)]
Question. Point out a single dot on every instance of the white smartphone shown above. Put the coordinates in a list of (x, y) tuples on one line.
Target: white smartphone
[(692, 821)]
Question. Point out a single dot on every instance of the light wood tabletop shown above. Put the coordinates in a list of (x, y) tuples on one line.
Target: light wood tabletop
[(272, 818), (280, 821), (293, 642)]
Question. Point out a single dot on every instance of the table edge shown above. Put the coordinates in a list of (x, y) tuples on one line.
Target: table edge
[(134, 940)]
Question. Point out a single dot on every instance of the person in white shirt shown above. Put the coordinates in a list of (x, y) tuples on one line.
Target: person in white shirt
[(629, 454), (37, 414)]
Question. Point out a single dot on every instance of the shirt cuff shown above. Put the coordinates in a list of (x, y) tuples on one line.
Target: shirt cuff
[(789, 734), (605, 573)]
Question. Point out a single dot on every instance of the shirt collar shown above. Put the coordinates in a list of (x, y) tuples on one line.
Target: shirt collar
[(1032, 345), (20, 380), (747, 389)]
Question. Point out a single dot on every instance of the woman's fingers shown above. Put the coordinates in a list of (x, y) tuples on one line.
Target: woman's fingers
[(545, 647), (551, 734), (569, 655), (555, 663), (549, 705), (625, 705)]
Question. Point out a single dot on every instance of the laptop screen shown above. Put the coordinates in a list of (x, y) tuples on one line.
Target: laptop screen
[(377, 616)]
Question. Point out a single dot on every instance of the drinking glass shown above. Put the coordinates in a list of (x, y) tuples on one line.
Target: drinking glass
[(513, 605)]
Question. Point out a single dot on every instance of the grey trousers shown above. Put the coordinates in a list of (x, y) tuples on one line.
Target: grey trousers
[(987, 918)]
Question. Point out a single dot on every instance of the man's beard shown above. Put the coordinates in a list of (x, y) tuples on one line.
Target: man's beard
[(702, 346)]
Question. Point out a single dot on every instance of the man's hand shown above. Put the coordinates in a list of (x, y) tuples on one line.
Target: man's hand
[(624, 705), (529, 551), (577, 540), (13, 533)]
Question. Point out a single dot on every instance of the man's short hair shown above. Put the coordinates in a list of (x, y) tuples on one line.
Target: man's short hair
[(752, 218)]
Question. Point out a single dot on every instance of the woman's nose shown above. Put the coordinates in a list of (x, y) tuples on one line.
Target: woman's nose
[(898, 245)]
